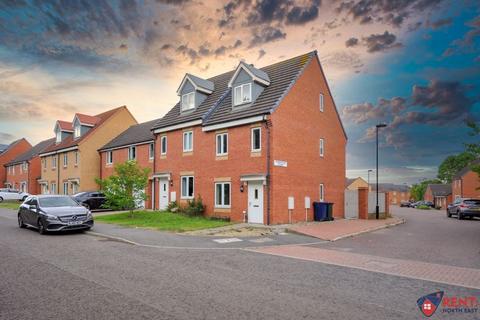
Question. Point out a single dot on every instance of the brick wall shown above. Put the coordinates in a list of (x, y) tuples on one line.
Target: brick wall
[(468, 186), (7, 156)]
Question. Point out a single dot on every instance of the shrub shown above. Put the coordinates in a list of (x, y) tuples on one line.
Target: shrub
[(423, 207), (172, 206), (195, 207)]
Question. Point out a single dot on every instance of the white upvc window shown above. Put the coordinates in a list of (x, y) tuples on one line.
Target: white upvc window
[(222, 194), (163, 145), (59, 136), (321, 101), (76, 158), (25, 166), (54, 162), (151, 151), (188, 141), (222, 144), (256, 138), (77, 131), (132, 153), (44, 160), (65, 188), (322, 192), (65, 160), (188, 101), (109, 157), (187, 185), (54, 188), (242, 94), (322, 147)]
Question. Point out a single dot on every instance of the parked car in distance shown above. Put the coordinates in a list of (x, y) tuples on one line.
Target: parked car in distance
[(416, 204), (405, 203), (464, 207), (54, 213), (12, 194), (92, 200), (429, 204)]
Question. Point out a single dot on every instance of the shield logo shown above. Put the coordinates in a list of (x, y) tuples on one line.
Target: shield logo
[(428, 304)]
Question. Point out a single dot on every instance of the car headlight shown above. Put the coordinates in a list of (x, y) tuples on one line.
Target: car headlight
[(51, 217), (89, 215)]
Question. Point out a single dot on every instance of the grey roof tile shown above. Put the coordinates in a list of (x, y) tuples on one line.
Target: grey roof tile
[(206, 84), (440, 190), (135, 134)]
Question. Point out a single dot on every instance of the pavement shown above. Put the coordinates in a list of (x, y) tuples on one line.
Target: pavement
[(342, 228), (82, 276)]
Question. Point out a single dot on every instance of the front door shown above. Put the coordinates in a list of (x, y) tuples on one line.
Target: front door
[(255, 202), (163, 194)]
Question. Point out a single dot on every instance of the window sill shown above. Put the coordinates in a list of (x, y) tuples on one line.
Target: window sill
[(255, 154), (187, 153), (163, 156), (186, 198), (222, 210), (109, 165), (221, 157)]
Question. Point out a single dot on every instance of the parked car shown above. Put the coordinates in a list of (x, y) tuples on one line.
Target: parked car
[(464, 207), (416, 204), (92, 200), (429, 203), (405, 204), (12, 194), (54, 213)]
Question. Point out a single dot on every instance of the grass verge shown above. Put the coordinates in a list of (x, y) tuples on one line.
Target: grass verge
[(161, 220), (10, 205)]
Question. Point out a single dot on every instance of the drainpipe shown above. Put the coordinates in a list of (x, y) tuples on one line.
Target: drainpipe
[(58, 172), (153, 171), (268, 124), (101, 165)]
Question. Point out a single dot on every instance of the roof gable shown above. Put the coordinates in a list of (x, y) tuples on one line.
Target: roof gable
[(64, 126), (199, 84), (257, 75), (32, 152), (440, 190), (85, 120), (465, 170)]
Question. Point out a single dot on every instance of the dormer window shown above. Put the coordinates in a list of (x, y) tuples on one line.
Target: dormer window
[(242, 94), (59, 136), (77, 131), (188, 101)]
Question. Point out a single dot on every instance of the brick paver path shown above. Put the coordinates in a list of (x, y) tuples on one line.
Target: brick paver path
[(465, 277), (337, 229)]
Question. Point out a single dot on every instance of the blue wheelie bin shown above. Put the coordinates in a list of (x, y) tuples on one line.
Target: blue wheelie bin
[(320, 211)]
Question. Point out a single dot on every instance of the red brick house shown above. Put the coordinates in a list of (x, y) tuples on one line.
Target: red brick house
[(24, 171), (12, 151), (439, 194), (135, 143), (466, 183), (258, 145)]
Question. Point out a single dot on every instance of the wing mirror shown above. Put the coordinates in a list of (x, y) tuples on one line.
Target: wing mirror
[(32, 207)]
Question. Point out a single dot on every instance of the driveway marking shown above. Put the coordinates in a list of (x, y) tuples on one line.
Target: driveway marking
[(261, 240), (458, 276), (227, 240)]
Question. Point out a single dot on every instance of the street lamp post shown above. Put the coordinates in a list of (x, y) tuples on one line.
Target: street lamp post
[(368, 173), (377, 208)]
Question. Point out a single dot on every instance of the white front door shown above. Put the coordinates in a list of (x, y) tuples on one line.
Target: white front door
[(163, 194), (255, 202)]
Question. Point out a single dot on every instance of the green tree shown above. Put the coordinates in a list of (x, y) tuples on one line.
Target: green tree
[(417, 191), (452, 164), (126, 187), (474, 148)]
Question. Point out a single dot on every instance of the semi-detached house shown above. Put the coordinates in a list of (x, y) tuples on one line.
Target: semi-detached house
[(9, 153), (466, 183), (135, 143), (257, 144), (72, 163)]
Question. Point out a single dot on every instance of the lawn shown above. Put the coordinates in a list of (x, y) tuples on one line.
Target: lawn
[(10, 205), (161, 220)]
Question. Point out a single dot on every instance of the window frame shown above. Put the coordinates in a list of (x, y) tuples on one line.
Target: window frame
[(109, 157), (322, 147), (53, 188), (65, 190), (186, 96), (321, 102), (77, 131), (252, 140), (54, 162), (223, 143), (132, 150), (151, 151), (242, 91), (188, 133), (65, 160), (163, 151), (222, 204), (321, 192), (187, 187), (76, 158)]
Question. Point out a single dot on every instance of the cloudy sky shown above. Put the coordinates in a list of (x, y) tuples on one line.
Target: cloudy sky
[(414, 64)]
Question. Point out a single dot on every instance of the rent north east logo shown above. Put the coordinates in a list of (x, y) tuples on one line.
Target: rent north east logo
[(447, 304)]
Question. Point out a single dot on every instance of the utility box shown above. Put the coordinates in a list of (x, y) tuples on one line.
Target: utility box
[(291, 203), (307, 202)]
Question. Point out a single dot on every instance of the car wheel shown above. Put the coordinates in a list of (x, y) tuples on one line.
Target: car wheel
[(41, 227), (459, 215), (1, 199), (20, 222), (448, 214)]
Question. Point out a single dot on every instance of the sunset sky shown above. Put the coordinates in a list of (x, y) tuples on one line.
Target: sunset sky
[(414, 64)]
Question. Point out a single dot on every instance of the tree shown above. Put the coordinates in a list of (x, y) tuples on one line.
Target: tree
[(126, 187), (452, 164), (474, 148), (417, 191)]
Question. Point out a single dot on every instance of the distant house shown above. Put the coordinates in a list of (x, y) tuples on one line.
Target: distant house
[(12, 151), (135, 143), (396, 193), (355, 183), (439, 194), (72, 162), (466, 183), (24, 171)]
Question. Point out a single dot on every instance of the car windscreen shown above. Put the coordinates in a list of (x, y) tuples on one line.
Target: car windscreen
[(472, 202), (57, 202)]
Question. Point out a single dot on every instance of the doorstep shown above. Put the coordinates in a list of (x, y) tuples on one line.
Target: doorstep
[(342, 228)]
